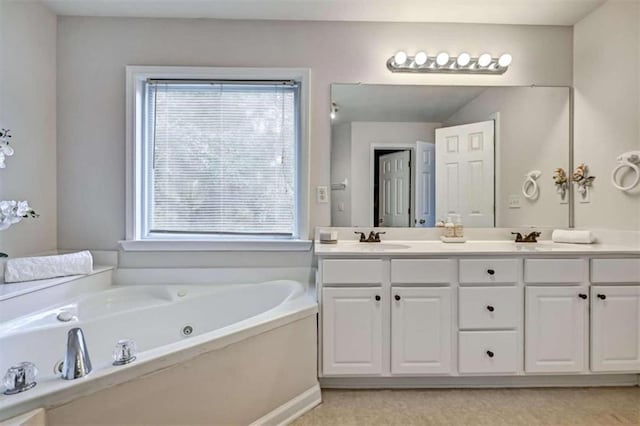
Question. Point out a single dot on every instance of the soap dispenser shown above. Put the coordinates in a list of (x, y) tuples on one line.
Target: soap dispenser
[(449, 228)]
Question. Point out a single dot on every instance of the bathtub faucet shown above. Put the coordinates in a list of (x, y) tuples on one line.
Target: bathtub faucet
[(76, 360)]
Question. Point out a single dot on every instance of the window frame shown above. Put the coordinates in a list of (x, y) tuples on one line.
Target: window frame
[(136, 76)]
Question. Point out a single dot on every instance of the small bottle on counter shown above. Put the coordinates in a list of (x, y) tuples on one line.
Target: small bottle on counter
[(458, 227), (449, 228)]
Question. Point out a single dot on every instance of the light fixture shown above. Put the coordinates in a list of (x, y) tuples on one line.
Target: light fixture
[(420, 58), (484, 60), (334, 111), (442, 59), (505, 60), (463, 59), (464, 63), (400, 58)]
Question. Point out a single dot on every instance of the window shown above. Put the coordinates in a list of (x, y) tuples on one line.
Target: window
[(216, 158)]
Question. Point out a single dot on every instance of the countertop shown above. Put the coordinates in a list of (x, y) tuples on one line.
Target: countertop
[(435, 248)]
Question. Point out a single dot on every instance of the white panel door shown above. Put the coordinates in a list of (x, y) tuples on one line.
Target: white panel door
[(420, 330), (556, 329), (615, 328), (394, 188), (465, 173), (425, 184), (352, 331)]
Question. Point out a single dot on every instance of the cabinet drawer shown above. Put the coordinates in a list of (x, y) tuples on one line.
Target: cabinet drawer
[(421, 271), (487, 271), (555, 270), (352, 271), (615, 270), (489, 307), (488, 352)]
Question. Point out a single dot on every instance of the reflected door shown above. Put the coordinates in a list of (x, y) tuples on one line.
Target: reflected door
[(394, 189), (425, 184), (464, 173)]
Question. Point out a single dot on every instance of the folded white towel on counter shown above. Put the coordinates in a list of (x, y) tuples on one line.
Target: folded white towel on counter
[(572, 236), (42, 267)]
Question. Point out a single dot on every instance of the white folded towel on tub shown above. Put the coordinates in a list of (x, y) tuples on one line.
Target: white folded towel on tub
[(572, 236), (42, 267)]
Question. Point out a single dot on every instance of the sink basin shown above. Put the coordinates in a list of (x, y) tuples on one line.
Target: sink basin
[(381, 246)]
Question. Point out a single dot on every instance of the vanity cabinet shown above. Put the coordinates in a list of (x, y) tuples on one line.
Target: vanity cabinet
[(352, 330), (556, 324), (420, 330), (615, 328), (391, 317)]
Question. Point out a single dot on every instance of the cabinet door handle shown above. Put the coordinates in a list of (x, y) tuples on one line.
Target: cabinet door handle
[(602, 296), (582, 296), (490, 308), (490, 354), (378, 298), (490, 271), (397, 297)]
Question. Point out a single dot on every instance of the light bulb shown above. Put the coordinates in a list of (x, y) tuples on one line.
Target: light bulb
[(505, 60), (442, 58), (420, 58), (484, 60), (463, 59), (400, 58)]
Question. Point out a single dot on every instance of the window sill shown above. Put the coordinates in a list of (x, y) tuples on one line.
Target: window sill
[(217, 245)]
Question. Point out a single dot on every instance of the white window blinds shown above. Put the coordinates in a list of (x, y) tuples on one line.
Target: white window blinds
[(221, 157)]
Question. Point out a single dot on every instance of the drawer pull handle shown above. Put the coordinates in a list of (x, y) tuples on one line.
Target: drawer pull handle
[(490, 354), (602, 297), (491, 271), (378, 298), (582, 296), (490, 308), (397, 297)]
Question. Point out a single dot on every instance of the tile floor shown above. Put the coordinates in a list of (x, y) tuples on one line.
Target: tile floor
[(541, 406)]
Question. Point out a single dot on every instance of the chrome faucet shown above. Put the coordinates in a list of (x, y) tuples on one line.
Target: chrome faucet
[(76, 360)]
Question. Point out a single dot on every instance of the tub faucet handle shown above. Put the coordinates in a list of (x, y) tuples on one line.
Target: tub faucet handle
[(19, 378), (124, 352)]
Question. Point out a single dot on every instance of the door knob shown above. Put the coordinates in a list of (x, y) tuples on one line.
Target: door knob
[(422, 221), (582, 296), (397, 297), (490, 354), (490, 271), (602, 296), (377, 298), (490, 308)]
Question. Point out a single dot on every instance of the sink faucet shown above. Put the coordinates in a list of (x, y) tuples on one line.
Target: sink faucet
[(529, 238), (374, 237), (76, 360)]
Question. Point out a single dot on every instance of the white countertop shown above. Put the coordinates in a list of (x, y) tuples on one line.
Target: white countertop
[(434, 247)]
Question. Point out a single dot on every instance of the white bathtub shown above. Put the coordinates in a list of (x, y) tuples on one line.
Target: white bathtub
[(152, 315)]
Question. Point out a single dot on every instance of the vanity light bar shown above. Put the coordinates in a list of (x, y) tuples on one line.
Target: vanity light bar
[(464, 63)]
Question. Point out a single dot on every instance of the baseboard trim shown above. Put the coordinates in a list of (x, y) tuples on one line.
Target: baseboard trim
[(292, 409), (480, 382)]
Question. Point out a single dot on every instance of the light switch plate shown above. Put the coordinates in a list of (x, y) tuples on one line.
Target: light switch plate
[(322, 194), (514, 201)]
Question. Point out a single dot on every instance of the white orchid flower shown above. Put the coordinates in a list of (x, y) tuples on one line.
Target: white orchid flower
[(5, 151), (12, 212)]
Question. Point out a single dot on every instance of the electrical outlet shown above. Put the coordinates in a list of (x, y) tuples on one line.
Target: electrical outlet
[(322, 194), (514, 201)]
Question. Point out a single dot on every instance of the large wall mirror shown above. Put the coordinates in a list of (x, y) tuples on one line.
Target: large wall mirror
[(406, 156)]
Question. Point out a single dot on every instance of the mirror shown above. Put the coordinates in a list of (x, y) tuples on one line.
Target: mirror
[(413, 155)]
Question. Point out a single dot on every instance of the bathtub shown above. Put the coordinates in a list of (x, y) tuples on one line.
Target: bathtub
[(176, 328)]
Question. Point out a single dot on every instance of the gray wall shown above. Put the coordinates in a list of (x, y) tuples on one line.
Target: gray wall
[(28, 108), (607, 109), (93, 53)]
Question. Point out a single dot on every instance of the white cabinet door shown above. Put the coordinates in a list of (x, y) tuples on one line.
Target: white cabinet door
[(556, 329), (615, 328), (420, 330), (352, 331)]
